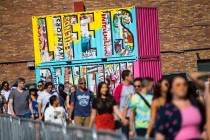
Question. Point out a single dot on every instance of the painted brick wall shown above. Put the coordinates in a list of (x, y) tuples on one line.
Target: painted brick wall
[(184, 25)]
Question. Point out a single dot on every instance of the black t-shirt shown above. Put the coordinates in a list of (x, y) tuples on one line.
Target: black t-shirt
[(104, 106)]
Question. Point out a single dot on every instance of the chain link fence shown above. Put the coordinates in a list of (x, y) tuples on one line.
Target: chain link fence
[(12, 128)]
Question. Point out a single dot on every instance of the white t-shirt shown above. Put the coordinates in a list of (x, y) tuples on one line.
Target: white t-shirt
[(5, 94), (43, 99), (127, 92), (40, 92), (55, 115)]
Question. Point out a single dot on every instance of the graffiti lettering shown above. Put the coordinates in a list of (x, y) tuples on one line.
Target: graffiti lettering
[(59, 51), (106, 26), (69, 36), (86, 36), (45, 54), (122, 33)]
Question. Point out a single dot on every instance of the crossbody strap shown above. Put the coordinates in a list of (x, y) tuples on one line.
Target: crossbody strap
[(145, 101)]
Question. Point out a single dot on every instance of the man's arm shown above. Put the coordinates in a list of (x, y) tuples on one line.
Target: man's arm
[(10, 105), (92, 118)]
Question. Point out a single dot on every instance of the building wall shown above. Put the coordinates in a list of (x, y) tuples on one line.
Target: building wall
[(184, 29)]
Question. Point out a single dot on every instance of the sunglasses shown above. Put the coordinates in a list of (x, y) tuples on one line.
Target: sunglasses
[(83, 83), (40, 85), (178, 85), (137, 86)]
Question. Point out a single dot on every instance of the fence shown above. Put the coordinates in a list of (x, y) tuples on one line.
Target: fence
[(13, 128)]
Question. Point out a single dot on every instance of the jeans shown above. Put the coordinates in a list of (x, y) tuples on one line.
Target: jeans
[(141, 132), (125, 131)]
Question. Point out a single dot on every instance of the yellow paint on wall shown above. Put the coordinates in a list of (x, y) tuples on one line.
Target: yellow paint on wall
[(76, 28), (36, 41), (50, 33)]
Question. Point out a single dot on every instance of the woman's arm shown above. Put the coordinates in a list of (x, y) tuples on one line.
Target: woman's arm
[(152, 119), (92, 118), (195, 78), (31, 109)]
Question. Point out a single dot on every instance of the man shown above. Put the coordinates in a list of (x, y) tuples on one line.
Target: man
[(40, 87), (140, 107), (55, 113), (81, 104), (19, 100), (62, 95), (43, 99), (122, 95)]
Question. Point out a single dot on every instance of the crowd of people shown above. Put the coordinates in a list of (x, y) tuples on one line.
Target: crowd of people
[(167, 109)]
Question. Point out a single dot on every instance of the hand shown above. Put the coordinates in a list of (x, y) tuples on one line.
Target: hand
[(69, 120), (13, 115), (132, 134), (32, 117), (125, 122), (40, 118)]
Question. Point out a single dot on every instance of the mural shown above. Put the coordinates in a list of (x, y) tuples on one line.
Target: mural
[(69, 36), (58, 39), (94, 74), (76, 74), (107, 33), (85, 35), (45, 54), (45, 75), (123, 37), (101, 73), (83, 71), (97, 45), (68, 76)]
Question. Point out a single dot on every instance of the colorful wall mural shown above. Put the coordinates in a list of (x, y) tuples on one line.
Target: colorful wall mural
[(87, 35), (97, 45), (92, 73)]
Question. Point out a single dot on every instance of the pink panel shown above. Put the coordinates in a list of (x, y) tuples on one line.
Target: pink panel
[(148, 32), (150, 68), (136, 69)]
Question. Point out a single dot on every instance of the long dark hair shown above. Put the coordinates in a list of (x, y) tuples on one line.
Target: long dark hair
[(3, 84), (100, 85), (109, 97), (191, 96), (157, 89)]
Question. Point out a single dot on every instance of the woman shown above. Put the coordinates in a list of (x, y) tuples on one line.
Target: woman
[(33, 104), (159, 99), (103, 108), (68, 99), (183, 118)]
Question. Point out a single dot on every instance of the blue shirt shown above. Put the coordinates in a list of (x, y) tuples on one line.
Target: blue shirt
[(82, 103), (35, 108)]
